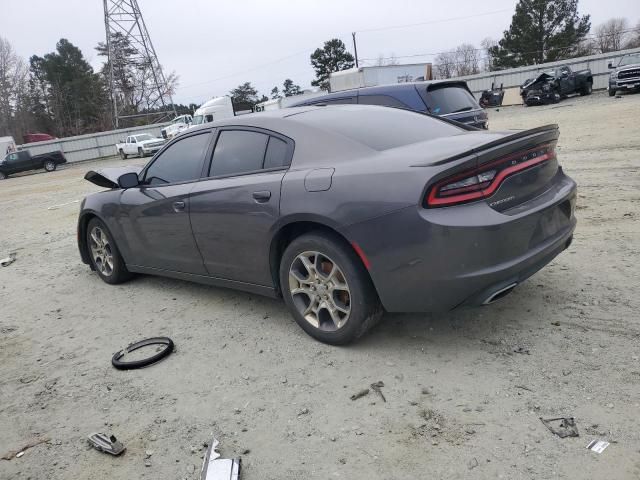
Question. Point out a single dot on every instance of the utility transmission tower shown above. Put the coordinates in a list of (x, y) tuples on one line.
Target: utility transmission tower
[(135, 76)]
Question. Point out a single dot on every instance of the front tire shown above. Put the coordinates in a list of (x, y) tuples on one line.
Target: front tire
[(140, 153), (123, 155), (327, 289), (104, 254), (3, 176), (612, 92), (50, 165)]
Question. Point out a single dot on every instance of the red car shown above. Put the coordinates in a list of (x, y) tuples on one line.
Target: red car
[(37, 137)]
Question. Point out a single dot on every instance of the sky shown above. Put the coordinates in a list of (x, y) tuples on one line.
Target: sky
[(214, 46)]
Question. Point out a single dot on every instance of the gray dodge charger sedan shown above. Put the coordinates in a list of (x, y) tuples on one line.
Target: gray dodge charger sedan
[(344, 211)]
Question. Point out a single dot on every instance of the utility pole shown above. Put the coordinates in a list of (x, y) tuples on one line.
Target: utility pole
[(355, 47), (124, 25)]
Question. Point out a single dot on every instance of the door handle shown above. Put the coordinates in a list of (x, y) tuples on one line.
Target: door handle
[(178, 206), (262, 196)]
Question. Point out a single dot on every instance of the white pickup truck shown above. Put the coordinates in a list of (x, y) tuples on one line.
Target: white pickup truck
[(141, 145), (177, 125)]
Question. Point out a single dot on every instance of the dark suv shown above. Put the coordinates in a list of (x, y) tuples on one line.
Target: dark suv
[(450, 99)]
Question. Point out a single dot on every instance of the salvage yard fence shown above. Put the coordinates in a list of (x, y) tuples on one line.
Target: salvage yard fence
[(93, 146), (514, 77), (96, 146)]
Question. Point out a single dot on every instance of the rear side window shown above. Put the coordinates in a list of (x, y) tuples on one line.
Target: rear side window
[(382, 100), (444, 100), (277, 154), (180, 162), (238, 152)]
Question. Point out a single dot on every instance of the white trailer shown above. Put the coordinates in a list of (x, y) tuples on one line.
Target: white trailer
[(384, 75), (7, 146), (214, 109)]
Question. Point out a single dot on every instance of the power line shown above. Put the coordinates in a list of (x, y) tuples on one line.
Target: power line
[(433, 54), (431, 22)]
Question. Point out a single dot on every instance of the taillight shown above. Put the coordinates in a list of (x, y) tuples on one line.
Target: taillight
[(482, 182)]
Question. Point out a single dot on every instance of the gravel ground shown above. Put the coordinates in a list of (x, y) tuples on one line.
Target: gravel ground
[(464, 391)]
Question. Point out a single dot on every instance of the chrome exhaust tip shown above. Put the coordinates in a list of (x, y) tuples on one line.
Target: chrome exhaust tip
[(498, 294)]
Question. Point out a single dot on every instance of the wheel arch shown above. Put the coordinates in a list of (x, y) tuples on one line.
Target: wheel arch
[(83, 223), (293, 229)]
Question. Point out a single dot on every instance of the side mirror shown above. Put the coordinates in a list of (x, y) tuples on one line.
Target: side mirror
[(128, 180), (610, 65)]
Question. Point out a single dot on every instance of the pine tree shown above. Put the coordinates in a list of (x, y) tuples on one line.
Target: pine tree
[(333, 57), (541, 31)]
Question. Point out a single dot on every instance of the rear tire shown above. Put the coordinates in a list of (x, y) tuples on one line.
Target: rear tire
[(49, 165), (104, 255), (140, 153), (587, 89), (336, 302), (123, 155)]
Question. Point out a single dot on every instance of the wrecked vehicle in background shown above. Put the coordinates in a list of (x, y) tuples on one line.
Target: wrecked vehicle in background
[(552, 85)]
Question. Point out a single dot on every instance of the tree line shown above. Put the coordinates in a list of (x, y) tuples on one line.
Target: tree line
[(541, 31)]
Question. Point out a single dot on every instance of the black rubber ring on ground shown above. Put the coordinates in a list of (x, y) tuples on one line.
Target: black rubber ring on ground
[(116, 362)]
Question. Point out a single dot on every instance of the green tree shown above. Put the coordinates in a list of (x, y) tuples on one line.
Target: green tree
[(275, 93), (290, 88), (244, 94), (70, 93), (333, 57), (541, 31)]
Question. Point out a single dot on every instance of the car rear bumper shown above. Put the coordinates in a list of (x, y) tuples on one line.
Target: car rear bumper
[(432, 260)]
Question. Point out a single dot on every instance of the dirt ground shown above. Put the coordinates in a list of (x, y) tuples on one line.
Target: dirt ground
[(464, 391)]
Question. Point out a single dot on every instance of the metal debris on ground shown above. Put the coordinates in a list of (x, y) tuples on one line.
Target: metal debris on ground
[(216, 468), (169, 346), (5, 262), (360, 394), (376, 387), (18, 453), (521, 350), (107, 444), (566, 428), (598, 446)]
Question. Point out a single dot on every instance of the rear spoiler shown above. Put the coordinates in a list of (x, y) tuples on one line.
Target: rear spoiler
[(546, 133)]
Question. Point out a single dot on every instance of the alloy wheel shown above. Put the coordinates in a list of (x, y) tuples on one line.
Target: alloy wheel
[(49, 166), (320, 291), (101, 251)]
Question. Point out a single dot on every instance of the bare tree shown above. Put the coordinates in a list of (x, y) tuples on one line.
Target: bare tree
[(13, 86), (445, 65), (383, 61), (633, 40), (467, 60), (487, 60), (611, 35)]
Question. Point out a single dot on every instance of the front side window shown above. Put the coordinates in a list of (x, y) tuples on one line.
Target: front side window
[(180, 162), (237, 152)]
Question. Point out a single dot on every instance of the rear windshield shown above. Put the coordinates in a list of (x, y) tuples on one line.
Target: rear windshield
[(379, 128), (444, 100)]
